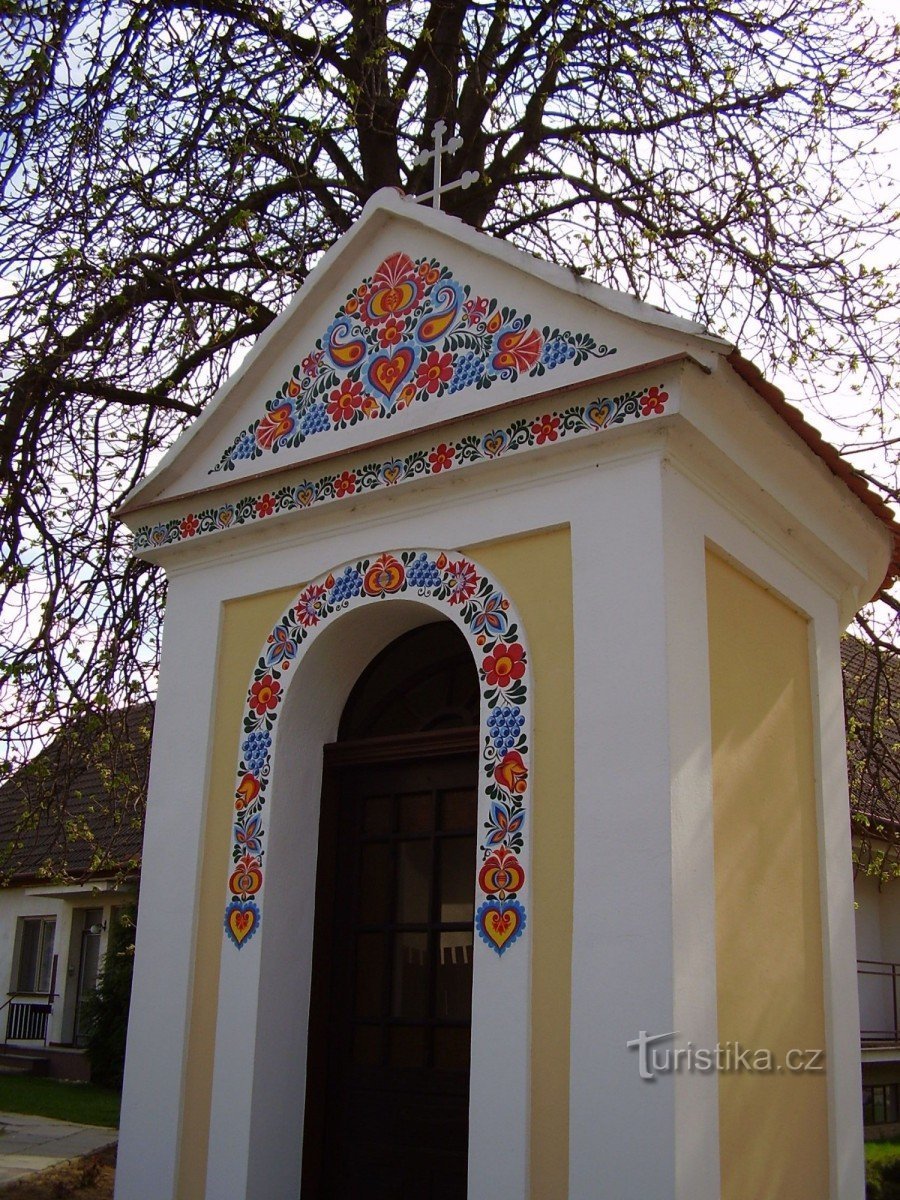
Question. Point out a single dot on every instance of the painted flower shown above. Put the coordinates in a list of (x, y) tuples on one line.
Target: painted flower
[(653, 401), (345, 484), (247, 791), (502, 823), (248, 834), (491, 617), (504, 665), (265, 695), (246, 879), (463, 581), (310, 364), (282, 648), (265, 505), (407, 395), (311, 605), (189, 526), (275, 426), (391, 332), (384, 577), (502, 872), (545, 429), (436, 370), (344, 402), (441, 458), (517, 349), (476, 309), (428, 273), (511, 773)]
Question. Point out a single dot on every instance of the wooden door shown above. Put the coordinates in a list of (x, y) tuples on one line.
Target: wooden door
[(388, 1076)]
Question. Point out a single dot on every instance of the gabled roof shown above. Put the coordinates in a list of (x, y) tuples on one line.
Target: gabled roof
[(75, 812)]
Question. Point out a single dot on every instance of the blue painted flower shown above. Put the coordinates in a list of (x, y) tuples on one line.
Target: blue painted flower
[(282, 648), (255, 749), (502, 823), (249, 836), (491, 619)]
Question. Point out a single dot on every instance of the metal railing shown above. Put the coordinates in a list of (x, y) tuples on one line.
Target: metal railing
[(29, 1020), (888, 992)]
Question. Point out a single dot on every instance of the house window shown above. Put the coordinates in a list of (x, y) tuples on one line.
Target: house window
[(35, 961), (881, 1104)]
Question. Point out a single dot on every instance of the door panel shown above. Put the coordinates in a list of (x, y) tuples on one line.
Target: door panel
[(388, 1077)]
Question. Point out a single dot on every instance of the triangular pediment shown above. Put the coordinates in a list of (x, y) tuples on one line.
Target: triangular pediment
[(411, 320)]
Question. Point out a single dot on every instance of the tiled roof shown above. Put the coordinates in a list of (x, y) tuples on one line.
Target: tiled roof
[(76, 811)]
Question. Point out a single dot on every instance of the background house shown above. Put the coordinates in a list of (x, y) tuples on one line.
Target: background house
[(71, 824)]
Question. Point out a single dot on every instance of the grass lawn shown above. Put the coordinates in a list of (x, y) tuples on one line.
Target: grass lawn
[(883, 1170), (83, 1103)]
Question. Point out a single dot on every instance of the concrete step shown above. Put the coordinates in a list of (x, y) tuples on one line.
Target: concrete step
[(24, 1064)]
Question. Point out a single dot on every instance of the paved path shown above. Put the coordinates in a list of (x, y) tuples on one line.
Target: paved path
[(29, 1144)]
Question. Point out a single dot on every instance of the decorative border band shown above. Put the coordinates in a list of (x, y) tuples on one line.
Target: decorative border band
[(522, 434), (467, 595)]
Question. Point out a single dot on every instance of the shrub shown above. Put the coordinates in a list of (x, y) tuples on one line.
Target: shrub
[(106, 1010)]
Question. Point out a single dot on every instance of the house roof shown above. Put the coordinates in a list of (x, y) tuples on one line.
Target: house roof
[(75, 812)]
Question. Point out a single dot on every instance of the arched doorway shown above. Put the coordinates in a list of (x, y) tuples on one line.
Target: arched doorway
[(387, 1100)]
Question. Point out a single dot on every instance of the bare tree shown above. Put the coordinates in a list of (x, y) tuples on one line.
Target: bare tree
[(172, 169)]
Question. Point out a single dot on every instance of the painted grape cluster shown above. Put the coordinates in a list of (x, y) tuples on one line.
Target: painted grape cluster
[(493, 632), (606, 412), (408, 333)]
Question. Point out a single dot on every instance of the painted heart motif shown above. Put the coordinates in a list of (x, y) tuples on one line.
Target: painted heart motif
[(598, 412), (387, 373), (494, 443), (391, 472), (241, 921), (500, 923), (305, 496)]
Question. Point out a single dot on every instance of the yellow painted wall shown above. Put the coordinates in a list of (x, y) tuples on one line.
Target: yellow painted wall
[(769, 978), (536, 572)]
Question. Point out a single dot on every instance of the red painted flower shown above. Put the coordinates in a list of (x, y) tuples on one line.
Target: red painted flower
[(311, 605), (517, 349), (511, 773), (654, 401), (545, 429), (476, 309), (310, 364), (265, 695), (384, 577), (345, 484), (265, 505), (502, 872), (391, 332), (189, 526), (441, 459), (247, 791), (344, 402), (504, 665), (436, 370), (463, 581), (246, 879), (275, 426)]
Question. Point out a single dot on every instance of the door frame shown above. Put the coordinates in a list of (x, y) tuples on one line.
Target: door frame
[(259, 1068)]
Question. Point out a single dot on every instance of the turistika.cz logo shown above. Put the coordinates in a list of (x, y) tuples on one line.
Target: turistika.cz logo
[(655, 1058)]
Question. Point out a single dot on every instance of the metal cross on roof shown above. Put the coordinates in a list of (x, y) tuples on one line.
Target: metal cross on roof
[(465, 180)]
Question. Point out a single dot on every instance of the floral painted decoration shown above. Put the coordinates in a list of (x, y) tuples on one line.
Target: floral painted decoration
[(597, 415), (502, 658), (408, 333)]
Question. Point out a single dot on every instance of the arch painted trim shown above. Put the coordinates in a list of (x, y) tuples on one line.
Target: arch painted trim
[(466, 594)]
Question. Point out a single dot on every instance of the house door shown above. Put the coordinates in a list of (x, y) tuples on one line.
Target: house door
[(388, 1073)]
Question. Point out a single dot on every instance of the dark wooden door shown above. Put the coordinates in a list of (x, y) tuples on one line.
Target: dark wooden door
[(388, 1079)]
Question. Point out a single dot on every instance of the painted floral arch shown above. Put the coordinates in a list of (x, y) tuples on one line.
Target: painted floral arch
[(460, 588)]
